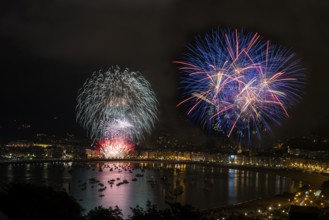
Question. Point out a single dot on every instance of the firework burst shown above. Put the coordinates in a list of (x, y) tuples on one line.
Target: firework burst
[(116, 104), (237, 83), (115, 148)]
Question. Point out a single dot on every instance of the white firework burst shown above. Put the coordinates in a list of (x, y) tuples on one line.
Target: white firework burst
[(117, 103)]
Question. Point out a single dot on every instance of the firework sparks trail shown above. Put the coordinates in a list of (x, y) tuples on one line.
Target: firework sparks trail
[(115, 148), (239, 82), (117, 104)]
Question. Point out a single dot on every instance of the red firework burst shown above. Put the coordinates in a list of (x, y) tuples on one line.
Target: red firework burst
[(115, 148)]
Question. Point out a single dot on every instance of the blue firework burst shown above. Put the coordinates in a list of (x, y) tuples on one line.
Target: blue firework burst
[(238, 83)]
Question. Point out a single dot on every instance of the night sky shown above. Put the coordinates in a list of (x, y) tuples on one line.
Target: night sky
[(48, 49)]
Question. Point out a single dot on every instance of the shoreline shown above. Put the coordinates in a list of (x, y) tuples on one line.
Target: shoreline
[(251, 207), (314, 179)]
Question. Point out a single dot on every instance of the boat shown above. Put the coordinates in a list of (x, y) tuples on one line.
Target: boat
[(83, 184), (102, 189), (93, 180)]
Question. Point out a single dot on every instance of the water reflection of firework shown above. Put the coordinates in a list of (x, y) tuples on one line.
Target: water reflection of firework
[(115, 148)]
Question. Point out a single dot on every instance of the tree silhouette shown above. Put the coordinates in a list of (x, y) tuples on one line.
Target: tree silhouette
[(151, 213), (176, 211), (100, 213), (185, 212), (29, 202)]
